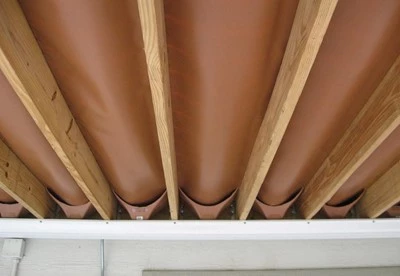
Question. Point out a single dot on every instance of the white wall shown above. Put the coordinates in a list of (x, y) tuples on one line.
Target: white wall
[(82, 257), (387, 271)]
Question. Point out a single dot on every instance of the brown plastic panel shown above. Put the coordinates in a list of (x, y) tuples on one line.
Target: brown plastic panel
[(12, 210), (394, 211), (76, 211), (95, 51), (5, 198), (146, 211), (341, 210), (381, 160), (22, 135), (360, 45), (275, 211), (208, 211), (224, 57)]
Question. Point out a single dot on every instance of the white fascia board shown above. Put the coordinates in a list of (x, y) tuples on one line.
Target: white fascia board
[(200, 230)]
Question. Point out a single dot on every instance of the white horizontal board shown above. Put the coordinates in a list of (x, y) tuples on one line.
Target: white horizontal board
[(200, 230)]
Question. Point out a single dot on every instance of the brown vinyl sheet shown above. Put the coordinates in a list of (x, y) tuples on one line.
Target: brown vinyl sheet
[(24, 138), (381, 160), (95, 51), (360, 45), (224, 57), (5, 198)]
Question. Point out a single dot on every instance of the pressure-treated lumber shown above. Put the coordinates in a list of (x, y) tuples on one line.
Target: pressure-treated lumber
[(309, 27), (25, 67), (378, 118), (153, 29), (382, 194), (22, 185)]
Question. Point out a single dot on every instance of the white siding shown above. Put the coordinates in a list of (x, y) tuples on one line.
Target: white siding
[(82, 257)]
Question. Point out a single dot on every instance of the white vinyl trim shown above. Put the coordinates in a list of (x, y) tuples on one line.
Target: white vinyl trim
[(200, 230)]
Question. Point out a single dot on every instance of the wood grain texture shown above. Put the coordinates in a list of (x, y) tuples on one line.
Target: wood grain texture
[(17, 180), (382, 194), (309, 27), (25, 67), (153, 29), (378, 118)]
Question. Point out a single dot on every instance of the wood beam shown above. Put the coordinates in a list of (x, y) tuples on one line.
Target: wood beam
[(17, 181), (378, 118), (153, 29), (309, 27), (382, 194), (25, 67)]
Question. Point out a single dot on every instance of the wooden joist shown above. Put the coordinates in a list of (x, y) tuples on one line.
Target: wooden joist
[(382, 194), (25, 67), (378, 118), (153, 29), (309, 27), (17, 180)]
